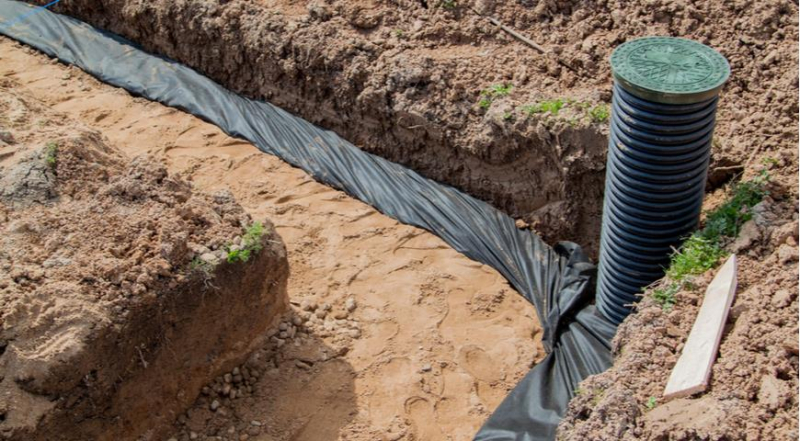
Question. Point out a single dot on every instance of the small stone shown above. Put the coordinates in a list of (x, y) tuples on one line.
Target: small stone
[(206, 390), (354, 333), (350, 304), (773, 392), (340, 315), (748, 235), (284, 335), (297, 320), (244, 437), (192, 435), (426, 367), (302, 365), (236, 371), (787, 254), (279, 342), (228, 378), (209, 258), (214, 406), (283, 326), (308, 306), (237, 379), (673, 331), (321, 313), (255, 423), (226, 390), (326, 306)]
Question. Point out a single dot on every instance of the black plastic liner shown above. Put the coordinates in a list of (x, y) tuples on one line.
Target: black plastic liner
[(558, 281)]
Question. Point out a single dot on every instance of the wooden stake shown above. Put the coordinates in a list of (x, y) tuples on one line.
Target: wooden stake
[(693, 369)]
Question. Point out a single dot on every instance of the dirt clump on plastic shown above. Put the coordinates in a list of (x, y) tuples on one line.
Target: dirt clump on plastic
[(116, 300)]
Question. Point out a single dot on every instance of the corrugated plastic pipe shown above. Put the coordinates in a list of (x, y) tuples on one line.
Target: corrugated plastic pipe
[(662, 122)]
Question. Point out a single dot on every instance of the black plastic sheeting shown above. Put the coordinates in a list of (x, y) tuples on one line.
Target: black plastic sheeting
[(558, 281)]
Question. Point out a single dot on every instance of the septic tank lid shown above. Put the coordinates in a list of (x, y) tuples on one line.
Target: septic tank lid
[(669, 70)]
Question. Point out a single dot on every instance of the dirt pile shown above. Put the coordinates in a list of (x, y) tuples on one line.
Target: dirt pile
[(754, 381), (116, 302)]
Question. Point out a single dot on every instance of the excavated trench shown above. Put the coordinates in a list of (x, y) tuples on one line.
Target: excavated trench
[(548, 173)]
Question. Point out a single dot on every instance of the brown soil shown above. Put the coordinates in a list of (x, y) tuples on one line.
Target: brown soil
[(403, 79), (108, 328), (406, 363), (754, 381)]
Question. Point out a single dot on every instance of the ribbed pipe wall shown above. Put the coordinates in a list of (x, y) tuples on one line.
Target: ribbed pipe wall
[(655, 180)]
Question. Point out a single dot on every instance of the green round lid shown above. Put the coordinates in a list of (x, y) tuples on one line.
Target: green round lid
[(669, 70)]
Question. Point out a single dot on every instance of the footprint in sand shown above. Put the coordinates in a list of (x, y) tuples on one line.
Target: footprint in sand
[(421, 412)]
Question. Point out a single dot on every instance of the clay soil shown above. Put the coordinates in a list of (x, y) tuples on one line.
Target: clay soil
[(409, 339), (403, 79)]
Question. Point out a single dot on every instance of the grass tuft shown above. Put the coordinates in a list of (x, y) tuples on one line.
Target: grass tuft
[(494, 91), (551, 106), (51, 154), (251, 244), (599, 113), (704, 249), (651, 403)]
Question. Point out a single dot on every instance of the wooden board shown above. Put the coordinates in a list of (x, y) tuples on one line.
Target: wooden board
[(690, 375)]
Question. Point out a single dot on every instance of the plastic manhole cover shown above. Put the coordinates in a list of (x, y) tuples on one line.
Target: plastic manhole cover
[(669, 70)]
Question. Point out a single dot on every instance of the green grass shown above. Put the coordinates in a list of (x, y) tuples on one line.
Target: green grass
[(703, 250), (448, 4), (769, 161), (551, 106), (398, 33), (494, 91), (728, 218), (507, 116), (198, 264), (599, 113), (697, 255), (651, 403), (666, 296), (251, 244), (51, 154)]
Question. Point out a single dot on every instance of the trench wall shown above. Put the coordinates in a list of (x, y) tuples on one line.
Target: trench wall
[(551, 177)]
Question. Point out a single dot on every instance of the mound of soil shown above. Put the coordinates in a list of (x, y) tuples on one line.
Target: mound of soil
[(116, 303), (753, 389)]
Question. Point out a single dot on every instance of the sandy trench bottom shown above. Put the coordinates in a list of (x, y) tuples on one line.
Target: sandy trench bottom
[(443, 338)]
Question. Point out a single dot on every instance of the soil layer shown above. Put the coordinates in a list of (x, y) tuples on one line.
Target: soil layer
[(408, 80), (116, 304)]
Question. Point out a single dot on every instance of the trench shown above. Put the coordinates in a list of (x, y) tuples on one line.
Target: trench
[(551, 179)]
